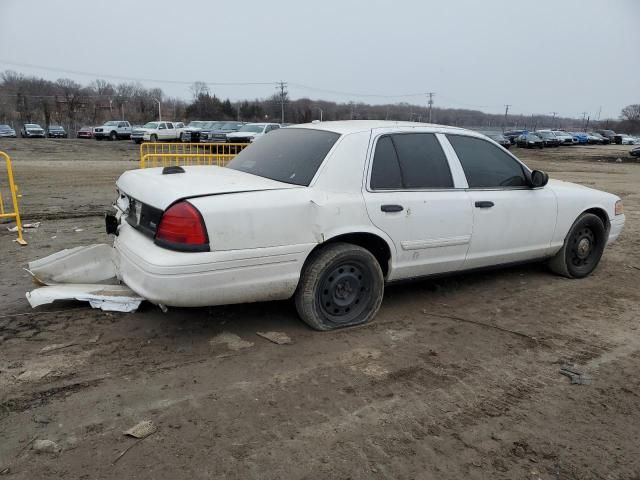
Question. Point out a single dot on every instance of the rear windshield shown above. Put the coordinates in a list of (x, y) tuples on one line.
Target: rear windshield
[(289, 155)]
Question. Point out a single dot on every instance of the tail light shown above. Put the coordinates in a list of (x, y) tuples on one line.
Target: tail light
[(182, 228)]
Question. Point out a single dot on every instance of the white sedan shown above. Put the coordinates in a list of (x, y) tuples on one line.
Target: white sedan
[(328, 213)]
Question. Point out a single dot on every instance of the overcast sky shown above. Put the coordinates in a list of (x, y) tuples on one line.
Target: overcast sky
[(566, 56)]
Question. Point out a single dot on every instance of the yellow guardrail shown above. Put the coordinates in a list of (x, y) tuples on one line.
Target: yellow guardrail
[(13, 189), (156, 154)]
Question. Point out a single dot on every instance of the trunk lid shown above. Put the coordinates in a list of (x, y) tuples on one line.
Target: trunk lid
[(151, 187)]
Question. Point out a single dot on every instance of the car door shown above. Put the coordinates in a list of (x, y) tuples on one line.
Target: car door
[(170, 132), (162, 131), (414, 196), (512, 222)]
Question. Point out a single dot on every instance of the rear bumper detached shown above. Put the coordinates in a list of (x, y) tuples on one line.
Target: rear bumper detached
[(135, 269)]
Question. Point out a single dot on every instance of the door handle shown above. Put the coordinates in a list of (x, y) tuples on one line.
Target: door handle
[(391, 208), (484, 204)]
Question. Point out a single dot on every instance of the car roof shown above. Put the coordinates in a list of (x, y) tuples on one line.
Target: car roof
[(354, 126)]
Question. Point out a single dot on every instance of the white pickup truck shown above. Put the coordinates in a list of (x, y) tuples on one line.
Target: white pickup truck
[(113, 130), (156, 131)]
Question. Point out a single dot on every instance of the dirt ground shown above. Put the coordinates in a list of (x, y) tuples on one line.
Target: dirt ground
[(420, 393)]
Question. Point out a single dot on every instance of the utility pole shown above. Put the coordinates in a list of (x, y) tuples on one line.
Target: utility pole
[(159, 108), (283, 92), (506, 112), (553, 119), (584, 116), (430, 104)]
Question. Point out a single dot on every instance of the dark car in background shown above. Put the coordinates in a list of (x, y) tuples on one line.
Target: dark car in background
[(607, 134), (56, 131), (595, 137), (548, 138), (206, 130), (512, 135), (191, 133), (529, 140), (32, 130), (499, 138), (7, 132), (219, 135), (85, 132)]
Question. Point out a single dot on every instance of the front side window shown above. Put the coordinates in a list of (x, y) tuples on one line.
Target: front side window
[(485, 165), (410, 161)]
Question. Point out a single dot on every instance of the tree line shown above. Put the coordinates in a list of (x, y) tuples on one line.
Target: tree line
[(30, 99)]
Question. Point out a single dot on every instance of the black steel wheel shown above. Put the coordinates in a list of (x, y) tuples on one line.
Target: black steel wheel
[(341, 285), (582, 249)]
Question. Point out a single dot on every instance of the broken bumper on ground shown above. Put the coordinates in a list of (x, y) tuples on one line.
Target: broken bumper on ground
[(87, 274)]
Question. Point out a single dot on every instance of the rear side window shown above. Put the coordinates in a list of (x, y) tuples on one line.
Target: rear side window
[(410, 161), (385, 173), (486, 165), (290, 155)]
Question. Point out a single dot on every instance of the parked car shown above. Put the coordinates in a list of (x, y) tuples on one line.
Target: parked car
[(635, 152), (219, 135), (608, 134), (600, 139), (7, 131), (191, 133), (32, 130), (565, 138), (113, 130), (529, 140), (580, 137), (498, 138), (512, 135), (156, 131), (627, 140), (85, 132), (548, 138), (207, 129), (265, 227), (56, 131), (251, 132)]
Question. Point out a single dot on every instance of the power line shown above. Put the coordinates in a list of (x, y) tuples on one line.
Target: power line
[(124, 77)]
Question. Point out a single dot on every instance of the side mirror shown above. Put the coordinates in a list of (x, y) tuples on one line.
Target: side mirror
[(539, 178)]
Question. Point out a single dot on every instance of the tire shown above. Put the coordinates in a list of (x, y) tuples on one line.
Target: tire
[(341, 285), (113, 136), (137, 141), (582, 248), (153, 138)]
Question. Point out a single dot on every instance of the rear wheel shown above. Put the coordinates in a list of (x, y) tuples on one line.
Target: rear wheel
[(582, 248), (341, 285)]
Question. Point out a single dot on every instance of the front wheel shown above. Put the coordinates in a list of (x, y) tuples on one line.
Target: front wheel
[(341, 285), (113, 136), (153, 138), (582, 249)]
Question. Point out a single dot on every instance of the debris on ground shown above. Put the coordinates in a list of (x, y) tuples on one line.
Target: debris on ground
[(5, 471), (279, 338), (78, 230), (231, 340), (142, 429), (46, 446), (95, 338), (34, 375), (56, 346), (576, 376), (112, 298), (25, 226)]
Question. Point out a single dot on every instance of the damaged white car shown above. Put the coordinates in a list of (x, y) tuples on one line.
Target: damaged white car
[(328, 213)]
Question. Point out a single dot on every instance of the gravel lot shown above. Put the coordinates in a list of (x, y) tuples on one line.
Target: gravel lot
[(457, 377)]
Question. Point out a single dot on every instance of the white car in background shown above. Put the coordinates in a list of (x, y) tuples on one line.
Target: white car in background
[(628, 140), (328, 213), (157, 131), (564, 137), (251, 132)]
